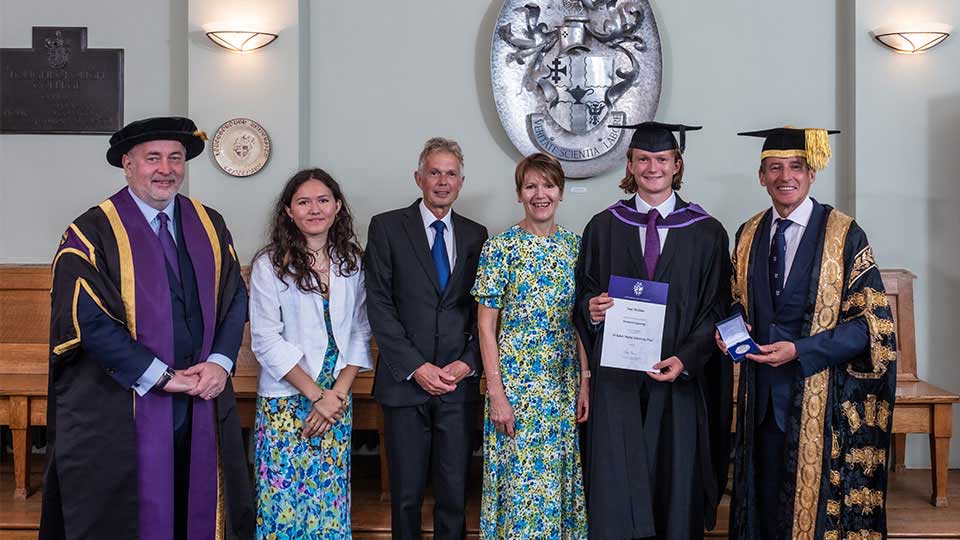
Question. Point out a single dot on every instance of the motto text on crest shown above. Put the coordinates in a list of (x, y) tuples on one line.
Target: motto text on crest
[(563, 71)]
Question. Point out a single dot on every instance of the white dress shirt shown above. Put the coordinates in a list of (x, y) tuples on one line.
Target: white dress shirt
[(800, 217), (156, 368), (287, 326), (428, 219), (665, 208)]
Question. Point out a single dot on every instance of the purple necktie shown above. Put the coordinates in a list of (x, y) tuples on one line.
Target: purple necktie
[(651, 251), (168, 245)]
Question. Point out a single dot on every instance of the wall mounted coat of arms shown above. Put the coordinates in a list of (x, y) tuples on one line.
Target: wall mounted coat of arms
[(563, 71)]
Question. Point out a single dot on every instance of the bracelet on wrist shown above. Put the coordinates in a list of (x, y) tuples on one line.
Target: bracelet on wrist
[(322, 393)]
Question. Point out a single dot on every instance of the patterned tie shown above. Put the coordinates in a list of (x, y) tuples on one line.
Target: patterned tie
[(439, 251), (168, 245), (778, 259), (651, 252)]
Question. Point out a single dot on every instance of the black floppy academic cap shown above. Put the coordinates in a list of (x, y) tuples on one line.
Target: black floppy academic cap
[(657, 137), (811, 144), (171, 128)]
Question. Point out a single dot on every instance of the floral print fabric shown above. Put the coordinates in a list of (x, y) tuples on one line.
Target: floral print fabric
[(532, 484), (303, 485)]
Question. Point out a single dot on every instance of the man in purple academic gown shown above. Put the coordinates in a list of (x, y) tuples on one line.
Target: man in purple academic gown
[(656, 443), (148, 309)]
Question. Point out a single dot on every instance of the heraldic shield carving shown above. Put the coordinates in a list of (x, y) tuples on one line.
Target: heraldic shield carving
[(564, 70)]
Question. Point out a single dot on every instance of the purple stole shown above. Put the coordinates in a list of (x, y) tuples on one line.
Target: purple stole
[(154, 411), (682, 217)]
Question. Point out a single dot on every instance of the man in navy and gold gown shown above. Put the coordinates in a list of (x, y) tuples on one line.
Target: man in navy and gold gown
[(815, 407), (148, 309)]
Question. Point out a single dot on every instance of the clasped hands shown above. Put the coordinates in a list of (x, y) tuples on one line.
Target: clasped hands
[(670, 369), (205, 380), (773, 355), (437, 381), (326, 411)]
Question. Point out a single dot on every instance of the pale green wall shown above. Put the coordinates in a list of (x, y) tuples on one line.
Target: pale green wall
[(384, 80), (908, 177), (356, 87), (46, 180)]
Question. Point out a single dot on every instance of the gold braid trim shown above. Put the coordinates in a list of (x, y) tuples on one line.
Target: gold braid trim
[(876, 413), (881, 330), (863, 534), (852, 414), (833, 508), (214, 246), (128, 289), (835, 478), (73, 343), (831, 535), (813, 417), (869, 458), (741, 262), (868, 499), (883, 415), (863, 262), (834, 445), (870, 410)]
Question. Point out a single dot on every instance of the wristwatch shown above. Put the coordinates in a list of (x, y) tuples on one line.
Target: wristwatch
[(164, 379)]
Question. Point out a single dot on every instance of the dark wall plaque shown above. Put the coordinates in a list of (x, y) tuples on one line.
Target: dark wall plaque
[(60, 86)]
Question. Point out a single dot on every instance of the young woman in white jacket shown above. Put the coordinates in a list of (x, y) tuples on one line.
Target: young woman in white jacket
[(309, 331)]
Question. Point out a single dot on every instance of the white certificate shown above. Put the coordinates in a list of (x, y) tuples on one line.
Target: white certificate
[(633, 328)]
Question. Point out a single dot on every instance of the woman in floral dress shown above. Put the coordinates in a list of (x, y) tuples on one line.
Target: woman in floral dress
[(536, 373), (309, 331)]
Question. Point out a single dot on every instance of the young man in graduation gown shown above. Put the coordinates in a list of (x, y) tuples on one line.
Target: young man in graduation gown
[(656, 443), (815, 406), (420, 263), (148, 309)]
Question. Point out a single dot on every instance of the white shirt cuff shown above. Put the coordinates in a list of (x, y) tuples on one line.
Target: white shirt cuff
[(150, 377), (222, 361)]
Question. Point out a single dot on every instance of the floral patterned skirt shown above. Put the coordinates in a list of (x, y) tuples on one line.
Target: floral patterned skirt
[(303, 485)]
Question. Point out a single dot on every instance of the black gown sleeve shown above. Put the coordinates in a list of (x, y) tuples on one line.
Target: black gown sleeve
[(699, 345), (109, 343), (230, 330)]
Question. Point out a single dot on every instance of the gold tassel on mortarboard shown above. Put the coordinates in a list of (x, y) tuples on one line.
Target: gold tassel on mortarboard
[(818, 148), (203, 135)]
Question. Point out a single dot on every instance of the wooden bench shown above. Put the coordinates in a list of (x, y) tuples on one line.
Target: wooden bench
[(920, 406), (24, 335), (24, 326)]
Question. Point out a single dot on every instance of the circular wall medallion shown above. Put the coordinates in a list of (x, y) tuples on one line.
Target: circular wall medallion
[(565, 71), (241, 147)]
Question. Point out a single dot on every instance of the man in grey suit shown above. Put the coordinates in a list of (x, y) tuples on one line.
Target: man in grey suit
[(420, 265)]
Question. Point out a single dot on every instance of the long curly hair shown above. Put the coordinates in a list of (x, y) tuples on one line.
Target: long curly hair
[(287, 247)]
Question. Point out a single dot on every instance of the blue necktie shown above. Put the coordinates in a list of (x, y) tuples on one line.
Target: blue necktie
[(439, 251), (778, 259)]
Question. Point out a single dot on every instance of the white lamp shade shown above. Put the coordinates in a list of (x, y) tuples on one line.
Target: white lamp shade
[(238, 39), (914, 38)]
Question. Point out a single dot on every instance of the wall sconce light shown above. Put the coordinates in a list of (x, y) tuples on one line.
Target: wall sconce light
[(238, 39), (913, 39)]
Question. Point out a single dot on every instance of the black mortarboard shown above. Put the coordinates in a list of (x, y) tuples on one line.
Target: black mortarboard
[(657, 137), (811, 144), (171, 128)]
